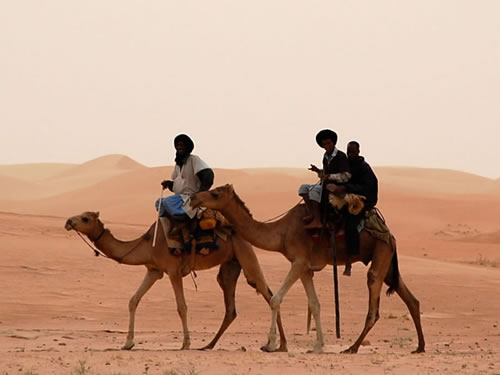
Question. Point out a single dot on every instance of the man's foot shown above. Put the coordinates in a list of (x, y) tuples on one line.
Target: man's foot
[(176, 230), (307, 219), (347, 270), (175, 252), (205, 251), (315, 224)]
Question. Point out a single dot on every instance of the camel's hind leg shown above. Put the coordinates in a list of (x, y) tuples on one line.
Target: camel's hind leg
[(227, 278), (414, 307), (255, 278), (151, 277), (375, 278), (314, 308), (176, 282)]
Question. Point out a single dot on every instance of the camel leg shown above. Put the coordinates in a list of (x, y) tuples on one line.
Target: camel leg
[(296, 271), (414, 307), (149, 279), (255, 278), (375, 279), (227, 278), (176, 282), (314, 309)]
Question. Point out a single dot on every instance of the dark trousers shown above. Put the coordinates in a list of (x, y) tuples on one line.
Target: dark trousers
[(351, 231)]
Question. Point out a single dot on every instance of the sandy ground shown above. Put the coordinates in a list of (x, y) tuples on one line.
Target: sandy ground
[(65, 311)]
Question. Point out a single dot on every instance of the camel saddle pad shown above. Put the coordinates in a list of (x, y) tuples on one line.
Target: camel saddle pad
[(376, 226)]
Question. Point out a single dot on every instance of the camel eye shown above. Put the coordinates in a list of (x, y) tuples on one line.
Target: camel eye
[(85, 219), (214, 194)]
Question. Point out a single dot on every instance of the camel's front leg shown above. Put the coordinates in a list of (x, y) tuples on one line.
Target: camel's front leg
[(181, 308), (314, 308), (296, 271), (151, 277)]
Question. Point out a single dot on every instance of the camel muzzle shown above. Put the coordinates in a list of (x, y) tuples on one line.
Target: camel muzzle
[(195, 202), (68, 225)]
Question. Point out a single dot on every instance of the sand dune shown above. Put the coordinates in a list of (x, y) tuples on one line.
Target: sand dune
[(63, 307), (109, 164), (34, 172), (15, 189)]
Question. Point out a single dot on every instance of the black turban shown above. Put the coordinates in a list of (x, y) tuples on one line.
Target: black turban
[(188, 142), (326, 134)]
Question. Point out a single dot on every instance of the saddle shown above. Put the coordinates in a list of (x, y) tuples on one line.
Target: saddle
[(204, 230)]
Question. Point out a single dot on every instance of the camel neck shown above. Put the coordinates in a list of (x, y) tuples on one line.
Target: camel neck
[(133, 252), (266, 236)]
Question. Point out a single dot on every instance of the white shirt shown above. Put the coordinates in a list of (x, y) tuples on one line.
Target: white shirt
[(185, 179), (186, 182)]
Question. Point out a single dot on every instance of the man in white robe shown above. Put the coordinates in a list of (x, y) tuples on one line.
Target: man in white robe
[(190, 175)]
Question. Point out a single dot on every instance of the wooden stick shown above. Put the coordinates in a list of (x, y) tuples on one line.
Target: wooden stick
[(158, 218)]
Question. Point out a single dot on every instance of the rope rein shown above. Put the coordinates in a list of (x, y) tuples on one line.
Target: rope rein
[(98, 252), (284, 213)]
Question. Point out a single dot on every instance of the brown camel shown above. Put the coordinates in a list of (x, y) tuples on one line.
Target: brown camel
[(289, 237), (233, 255)]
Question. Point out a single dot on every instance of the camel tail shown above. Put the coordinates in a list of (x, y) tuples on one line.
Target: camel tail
[(394, 280)]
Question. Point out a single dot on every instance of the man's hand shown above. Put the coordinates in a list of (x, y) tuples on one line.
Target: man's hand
[(314, 168), (167, 184)]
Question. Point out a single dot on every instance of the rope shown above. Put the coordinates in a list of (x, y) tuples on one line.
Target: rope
[(284, 213), (96, 251)]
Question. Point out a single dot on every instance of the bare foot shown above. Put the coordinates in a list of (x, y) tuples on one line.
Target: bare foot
[(307, 219), (204, 251), (347, 270), (176, 252), (313, 225)]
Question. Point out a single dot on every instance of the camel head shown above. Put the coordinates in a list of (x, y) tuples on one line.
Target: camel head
[(216, 198), (87, 223)]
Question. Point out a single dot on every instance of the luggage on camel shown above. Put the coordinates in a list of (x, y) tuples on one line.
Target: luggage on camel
[(204, 230)]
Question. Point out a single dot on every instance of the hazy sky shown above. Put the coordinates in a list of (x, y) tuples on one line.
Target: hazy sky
[(417, 83)]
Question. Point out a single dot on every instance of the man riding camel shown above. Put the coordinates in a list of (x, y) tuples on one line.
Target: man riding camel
[(190, 175), (335, 172), (362, 182)]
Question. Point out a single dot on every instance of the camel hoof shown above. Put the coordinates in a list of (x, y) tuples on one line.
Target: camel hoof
[(206, 347), (316, 350), (418, 350), (267, 349), (128, 346), (282, 349), (351, 350)]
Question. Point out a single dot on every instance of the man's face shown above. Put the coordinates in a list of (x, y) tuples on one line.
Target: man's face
[(180, 147), (328, 145), (352, 151)]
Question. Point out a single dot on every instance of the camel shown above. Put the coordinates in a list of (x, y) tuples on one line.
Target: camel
[(232, 255), (289, 237)]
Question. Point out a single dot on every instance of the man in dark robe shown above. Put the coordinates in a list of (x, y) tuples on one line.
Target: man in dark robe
[(335, 170), (362, 182)]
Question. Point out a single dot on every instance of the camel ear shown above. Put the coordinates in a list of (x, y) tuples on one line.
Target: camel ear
[(97, 214), (230, 188)]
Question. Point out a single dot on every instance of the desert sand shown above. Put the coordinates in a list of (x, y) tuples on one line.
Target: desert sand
[(65, 311)]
